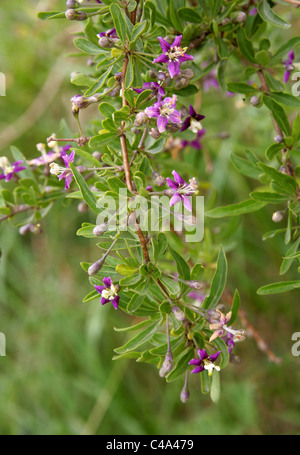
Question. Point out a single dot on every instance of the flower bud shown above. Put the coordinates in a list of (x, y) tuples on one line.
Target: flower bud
[(290, 68), (161, 76), (24, 229), (225, 21), (167, 365), (184, 395), (255, 101), (105, 41), (172, 127), (178, 313), (97, 155), (159, 180), (140, 119), (72, 3), (154, 133), (240, 18), (94, 268), (82, 207), (152, 74), (100, 229), (188, 73), (278, 139), (277, 216), (74, 15), (194, 284)]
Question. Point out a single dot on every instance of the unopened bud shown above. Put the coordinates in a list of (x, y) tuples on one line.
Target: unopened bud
[(97, 155), (188, 73), (154, 133), (278, 139), (167, 365), (105, 41), (184, 395), (225, 21), (161, 76), (24, 229), (82, 207), (255, 100), (100, 229), (140, 119), (152, 74), (194, 284), (277, 216), (94, 268), (159, 180), (172, 127), (240, 18), (71, 3), (178, 313), (74, 15), (290, 68)]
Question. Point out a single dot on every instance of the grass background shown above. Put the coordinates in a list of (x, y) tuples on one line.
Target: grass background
[(58, 376)]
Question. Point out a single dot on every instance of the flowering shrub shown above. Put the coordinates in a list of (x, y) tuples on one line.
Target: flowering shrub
[(148, 64)]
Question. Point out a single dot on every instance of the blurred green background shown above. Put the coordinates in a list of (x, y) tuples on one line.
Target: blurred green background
[(58, 376)]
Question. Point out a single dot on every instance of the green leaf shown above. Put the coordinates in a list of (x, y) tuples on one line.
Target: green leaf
[(135, 302), (138, 340), (99, 82), (218, 282), (245, 167), (278, 288), (189, 15), (87, 195), (288, 261), (272, 150), (182, 365), (215, 388), (296, 128), (87, 47), (262, 57), (245, 46), (248, 206), (285, 182), (222, 346), (279, 114), (241, 87), (284, 49), (285, 98), (236, 302), (175, 17), (268, 197), (121, 25), (267, 14)]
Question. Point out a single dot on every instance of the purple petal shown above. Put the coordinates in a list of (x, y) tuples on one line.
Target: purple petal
[(161, 59), (153, 111), (115, 302), (177, 41), (198, 369), (286, 76), (174, 68), (107, 282), (175, 199), (291, 55), (186, 124), (202, 354), (187, 203), (165, 46), (192, 111), (214, 357), (185, 58), (172, 184), (104, 301), (195, 362), (175, 117), (162, 123), (178, 179), (99, 288)]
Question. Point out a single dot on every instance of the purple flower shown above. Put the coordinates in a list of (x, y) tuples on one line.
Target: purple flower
[(288, 65), (111, 33), (196, 142), (64, 172), (165, 112), (9, 170), (48, 157), (108, 292), (210, 80), (253, 11), (229, 340), (157, 90), (172, 54), (193, 121), (205, 362), (182, 190)]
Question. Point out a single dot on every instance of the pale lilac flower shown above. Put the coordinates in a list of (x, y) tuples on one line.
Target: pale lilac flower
[(48, 157), (205, 362), (172, 54), (156, 88), (9, 170), (112, 33), (182, 190), (219, 326), (165, 112), (288, 65), (64, 172), (108, 292), (210, 81)]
